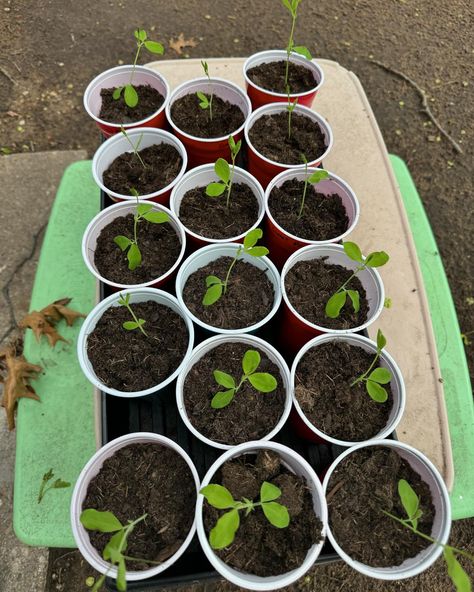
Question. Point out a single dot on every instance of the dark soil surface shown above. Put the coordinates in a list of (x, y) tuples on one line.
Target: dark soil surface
[(130, 361), (162, 165), (145, 479), (324, 217), (159, 245), (269, 136), (249, 297), (192, 119), (259, 547), (117, 110), (271, 76), (250, 415), (323, 379), (364, 484), (310, 284), (210, 217)]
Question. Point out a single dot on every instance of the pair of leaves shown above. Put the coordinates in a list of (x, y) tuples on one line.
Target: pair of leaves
[(318, 176), (130, 95), (374, 381), (338, 300), (131, 325), (57, 484), (152, 46), (410, 502), (204, 101), (222, 170), (250, 240), (374, 259), (136, 323)]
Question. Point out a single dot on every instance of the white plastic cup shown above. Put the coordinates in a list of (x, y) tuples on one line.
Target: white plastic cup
[(442, 520), (118, 144), (104, 218), (136, 295), (253, 342), (300, 467), (397, 385), (206, 255), (92, 468)]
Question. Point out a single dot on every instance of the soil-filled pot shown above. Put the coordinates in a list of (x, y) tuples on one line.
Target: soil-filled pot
[(153, 91), (251, 414), (165, 488), (264, 74), (270, 152), (205, 142), (327, 407), (303, 280), (208, 220), (262, 556), (362, 484), (127, 357), (115, 165), (253, 294), (329, 214), (162, 247)]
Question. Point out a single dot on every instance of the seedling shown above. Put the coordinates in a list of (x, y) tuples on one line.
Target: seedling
[(218, 496), (142, 212), (225, 173), (136, 323), (46, 486), (114, 550), (290, 108), (292, 7), (204, 101), (135, 147), (338, 299), (215, 286), (261, 381), (375, 378), (314, 178), (129, 93), (411, 504)]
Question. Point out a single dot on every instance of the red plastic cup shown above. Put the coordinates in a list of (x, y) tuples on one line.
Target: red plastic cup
[(120, 76), (295, 330), (260, 96), (206, 150), (282, 243), (265, 169)]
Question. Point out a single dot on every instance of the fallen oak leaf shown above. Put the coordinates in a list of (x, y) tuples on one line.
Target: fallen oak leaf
[(58, 310), (179, 43)]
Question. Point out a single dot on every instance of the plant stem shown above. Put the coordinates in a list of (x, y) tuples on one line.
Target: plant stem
[(290, 46), (352, 276), (239, 250), (139, 46), (229, 186), (136, 321), (134, 147), (128, 529), (300, 213), (362, 376)]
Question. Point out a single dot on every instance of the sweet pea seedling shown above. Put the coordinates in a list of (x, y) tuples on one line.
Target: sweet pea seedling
[(411, 504), (338, 299), (136, 323), (375, 378), (290, 108), (204, 101), (292, 7), (223, 533), (314, 179), (135, 147), (129, 93), (261, 381), (215, 286), (58, 484), (114, 550), (225, 173)]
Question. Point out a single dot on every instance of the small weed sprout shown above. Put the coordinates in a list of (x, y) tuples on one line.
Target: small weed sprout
[(114, 550), (314, 178), (261, 381), (290, 108), (217, 287), (375, 378), (204, 102), (225, 173), (223, 533), (338, 299), (136, 323), (292, 7), (46, 485), (129, 93), (135, 147), (411, 504)]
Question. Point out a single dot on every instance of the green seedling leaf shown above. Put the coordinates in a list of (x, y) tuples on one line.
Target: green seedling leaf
[(157, 217), (130, 325), (134, 256), (353, 252), (302, 50), (154, 47), (140, 34), (410, 501), (215, 189), (60, 484), (121, 576), (354, 296), (376, 392), (212, 279), (380, 375), (143, 209), (117, 92), (269, 492), (287, 5), (252, 237), (218, 496), (204, 101), (334, 304), (456, 572), (224, 379), (222, 399), (111, 550), (213, 293), (48, 476), (101, 521), (263, 382), (318, 176), (124, 300), (98, 585), (381, 341), (222, 169), (377, 259), (258, 251), (223, 533), (130, 96), (205, 67), (276, 514), (250, 361), (123, 242)]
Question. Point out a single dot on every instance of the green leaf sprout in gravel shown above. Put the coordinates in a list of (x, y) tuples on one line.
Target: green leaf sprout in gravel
[(217, 287), (376, 259), (46, 485), (314, 179), (374, 379), (204, 101), (223, 533), (411, 504), (136, 323), (114, 550), (225, 173), (290, 108), (129, 93), (292, 7), (135, 147), (261, 381)]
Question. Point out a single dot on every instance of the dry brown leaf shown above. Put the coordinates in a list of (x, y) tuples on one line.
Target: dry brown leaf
[(180, 43), (16, 374)]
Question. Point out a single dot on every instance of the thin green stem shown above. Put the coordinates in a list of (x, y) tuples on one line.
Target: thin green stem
[(239, 250), (138, 324), (290, 46), (352, 276), (300, 213), (134, 147), (229, 186), (139, 47), (362, 376)]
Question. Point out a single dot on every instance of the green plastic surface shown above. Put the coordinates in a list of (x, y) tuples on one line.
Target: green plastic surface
[(59, 431), (452, 359)]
